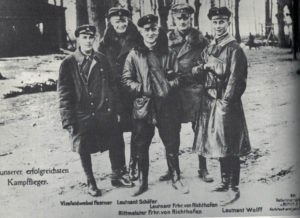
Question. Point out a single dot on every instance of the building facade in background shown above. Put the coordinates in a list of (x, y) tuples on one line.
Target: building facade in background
[(31, 27)]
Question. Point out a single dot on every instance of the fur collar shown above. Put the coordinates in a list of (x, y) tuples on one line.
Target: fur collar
[(110, 36), (161, 46), (194, 37)]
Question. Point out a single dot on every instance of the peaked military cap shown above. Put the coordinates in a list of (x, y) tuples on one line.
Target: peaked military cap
[(85, 29), (147, 19), (182, 8), (221, 12), (116, 11)]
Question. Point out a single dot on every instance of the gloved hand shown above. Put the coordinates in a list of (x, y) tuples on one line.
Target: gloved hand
[(72, 129), (171, 75), (174, 83), (198, 70)]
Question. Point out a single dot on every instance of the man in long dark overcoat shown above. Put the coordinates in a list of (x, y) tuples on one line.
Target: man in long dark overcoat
[(188, 42), (120, 36), (221, 130), (87, 103), (149, 75)]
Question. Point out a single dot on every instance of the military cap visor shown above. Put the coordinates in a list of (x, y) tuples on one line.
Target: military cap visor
[(222, 12), (184, 16), (120, 12), (147, 19), (182, 8), (85, 29)]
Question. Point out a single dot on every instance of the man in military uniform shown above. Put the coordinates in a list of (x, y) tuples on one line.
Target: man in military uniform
[(188, 42), (120, 36), (149, 75), (221, 130), (87, 103)]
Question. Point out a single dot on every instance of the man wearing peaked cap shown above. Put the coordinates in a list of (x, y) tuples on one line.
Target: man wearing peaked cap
[(182, 8), (188, 42), (222, 12), (147, 19), (120, 36), (117, 11), (87, 104), (150, 75), (85, 29), (221, 130)]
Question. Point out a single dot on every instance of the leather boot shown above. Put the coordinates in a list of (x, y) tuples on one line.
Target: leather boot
[(177, 181), (168, 175), (225, 176), (203, 172), (92, 188), (143, 166), (224, 185), (235, 172), (233, 192), (119, 179), (86, 163), (133, 173)]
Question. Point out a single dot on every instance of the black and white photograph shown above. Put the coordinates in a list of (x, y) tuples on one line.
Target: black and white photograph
[(149, 108)]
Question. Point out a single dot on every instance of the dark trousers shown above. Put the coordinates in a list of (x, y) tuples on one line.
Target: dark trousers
[(230, 170), (169, 132), (117, 152), (202, 159), (116, 156)]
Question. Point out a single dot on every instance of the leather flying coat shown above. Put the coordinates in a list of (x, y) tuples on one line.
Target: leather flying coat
[(188, 51), (136, 79), (221, 128)]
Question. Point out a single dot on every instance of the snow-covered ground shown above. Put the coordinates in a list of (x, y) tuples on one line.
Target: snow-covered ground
[(31, 137)]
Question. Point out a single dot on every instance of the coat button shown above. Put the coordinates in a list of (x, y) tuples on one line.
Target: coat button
[(101, 69), (92, 103), (90, 93), (108, 109), (93, 114), (106, 99)]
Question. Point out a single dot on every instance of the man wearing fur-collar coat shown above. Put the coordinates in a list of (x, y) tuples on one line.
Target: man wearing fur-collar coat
[(188, 43), (120, 36)]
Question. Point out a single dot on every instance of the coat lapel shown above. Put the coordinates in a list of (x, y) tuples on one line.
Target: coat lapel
[(191, 39), (96, 59), (184, 50), (91, 68), (125, 49)]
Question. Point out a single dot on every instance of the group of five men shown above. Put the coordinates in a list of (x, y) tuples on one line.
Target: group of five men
[(143, 78)]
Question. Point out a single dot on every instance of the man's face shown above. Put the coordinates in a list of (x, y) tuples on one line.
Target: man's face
[(150, 32), (120, 24), (220, 25), (182, 21), (86, 41)]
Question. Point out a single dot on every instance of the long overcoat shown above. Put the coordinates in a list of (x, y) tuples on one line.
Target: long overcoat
[(188, 51), (116, 48), (136, 79), (221, 128), (88, 106)]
